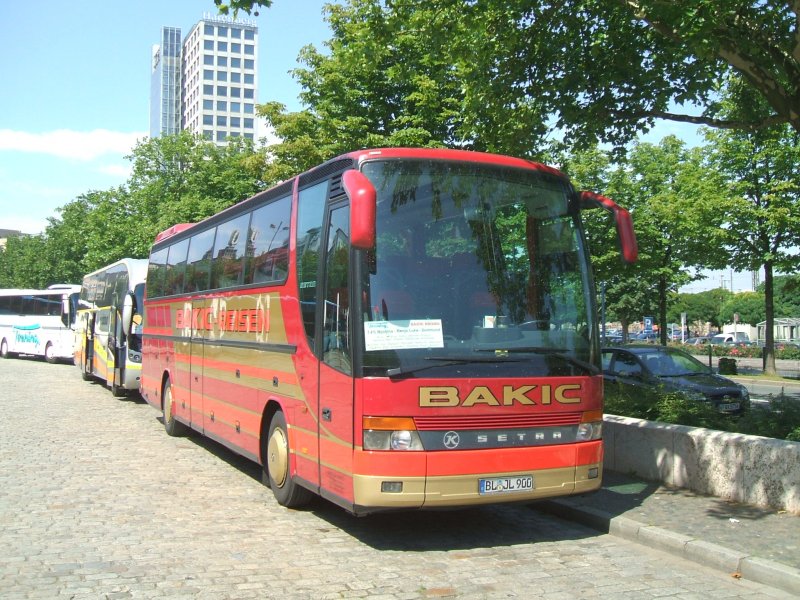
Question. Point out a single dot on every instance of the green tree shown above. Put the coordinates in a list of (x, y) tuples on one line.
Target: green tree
[(175, 179), (184, 179), (787, 298), (675, 203), (676, 206), (384, 81), (762, 223), (700, 308), (749, 306), (606, 69)]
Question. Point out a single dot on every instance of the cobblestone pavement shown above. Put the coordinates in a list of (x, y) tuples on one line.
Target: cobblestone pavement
[(96, 501)]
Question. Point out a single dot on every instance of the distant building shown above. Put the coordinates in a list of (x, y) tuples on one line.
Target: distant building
[(7, 233), (165, 84), (214, 91)]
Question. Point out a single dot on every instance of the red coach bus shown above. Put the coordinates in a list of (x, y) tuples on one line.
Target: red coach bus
[(395, 328)]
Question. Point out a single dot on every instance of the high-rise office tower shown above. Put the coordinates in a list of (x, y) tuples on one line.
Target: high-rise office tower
[(165, 84), (218, 79)]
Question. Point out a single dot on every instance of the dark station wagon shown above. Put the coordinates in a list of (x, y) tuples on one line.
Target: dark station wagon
[(659, 368)]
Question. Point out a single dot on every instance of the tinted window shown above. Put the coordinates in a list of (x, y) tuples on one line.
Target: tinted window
[(229, 252), (336, 324), (156, 273), (309, 224), (176, 268), (268, 243), (198, 264)]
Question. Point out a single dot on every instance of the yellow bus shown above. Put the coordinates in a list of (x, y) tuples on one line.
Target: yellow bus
[(108, 337)]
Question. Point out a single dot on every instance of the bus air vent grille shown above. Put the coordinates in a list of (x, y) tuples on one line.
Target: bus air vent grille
[(516, 421)]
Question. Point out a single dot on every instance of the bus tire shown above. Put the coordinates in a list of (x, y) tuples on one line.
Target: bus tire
[(50, 354), (276, 467), (4, 349), (116, 390), (172, 426)]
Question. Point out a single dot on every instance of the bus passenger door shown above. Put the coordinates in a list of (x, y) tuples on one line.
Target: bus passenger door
[(196, 358), (100, 358), (336, 373)]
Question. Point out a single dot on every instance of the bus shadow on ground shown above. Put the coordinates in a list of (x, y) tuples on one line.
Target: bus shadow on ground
[(425, 530)]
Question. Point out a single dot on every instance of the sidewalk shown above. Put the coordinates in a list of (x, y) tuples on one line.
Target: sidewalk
[(745, 541)]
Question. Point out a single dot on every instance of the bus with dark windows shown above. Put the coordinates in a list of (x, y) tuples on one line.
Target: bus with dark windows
[(108, 328), (396, 328)]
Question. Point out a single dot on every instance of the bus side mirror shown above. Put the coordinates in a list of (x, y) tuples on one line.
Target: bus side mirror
[(363, 200), (622, 218), (69, 310), (128, 306)]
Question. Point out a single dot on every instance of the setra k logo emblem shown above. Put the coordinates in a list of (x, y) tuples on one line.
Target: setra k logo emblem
[(451, 440)]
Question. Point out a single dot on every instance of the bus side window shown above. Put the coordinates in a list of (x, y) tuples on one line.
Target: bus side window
[(229, 247), (267, 259), (176, 267), (156, 273), (198, 263)]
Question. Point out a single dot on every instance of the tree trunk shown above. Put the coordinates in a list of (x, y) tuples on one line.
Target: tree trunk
[(769, 333), (662, 310)]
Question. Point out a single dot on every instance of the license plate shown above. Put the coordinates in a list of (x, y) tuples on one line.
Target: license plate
[(504, 485), (731, 406)]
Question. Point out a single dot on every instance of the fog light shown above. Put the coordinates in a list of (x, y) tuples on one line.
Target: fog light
[(594, 473), (391, 487)]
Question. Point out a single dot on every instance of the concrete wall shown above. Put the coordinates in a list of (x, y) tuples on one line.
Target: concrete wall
[(743, 468)]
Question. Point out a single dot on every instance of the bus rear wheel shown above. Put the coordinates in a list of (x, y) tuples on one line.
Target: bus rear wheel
[(172, 426), (276, 473), (4, 349)]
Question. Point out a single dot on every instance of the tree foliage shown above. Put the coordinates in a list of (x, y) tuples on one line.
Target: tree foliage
[(175, 179), (605, 68), (675, 204), (701, 308), (762, 168)]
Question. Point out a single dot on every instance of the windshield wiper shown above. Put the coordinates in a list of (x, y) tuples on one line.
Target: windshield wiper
[(557, 352), (445, 361)]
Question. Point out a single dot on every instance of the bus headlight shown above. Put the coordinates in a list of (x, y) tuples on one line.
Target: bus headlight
[(391, 433), (590, 427), (589, 431)]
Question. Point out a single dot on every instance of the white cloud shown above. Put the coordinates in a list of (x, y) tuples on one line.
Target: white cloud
[(121, 171), (64, 143)]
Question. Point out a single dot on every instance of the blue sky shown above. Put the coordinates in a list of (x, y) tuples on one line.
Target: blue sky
[(76, 91)]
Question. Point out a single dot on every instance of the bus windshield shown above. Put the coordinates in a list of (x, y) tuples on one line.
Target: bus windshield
[(477, 271)]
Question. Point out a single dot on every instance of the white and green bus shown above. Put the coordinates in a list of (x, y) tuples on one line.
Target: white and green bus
[(38, 322)]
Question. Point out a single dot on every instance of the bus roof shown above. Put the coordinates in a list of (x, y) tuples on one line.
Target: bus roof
[(54, 290), (449, 154), (136, 267)]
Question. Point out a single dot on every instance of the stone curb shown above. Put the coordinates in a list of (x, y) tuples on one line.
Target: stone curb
[(734, 563)]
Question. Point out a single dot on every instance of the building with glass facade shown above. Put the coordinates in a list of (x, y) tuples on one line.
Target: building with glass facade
[(217, 80), (165, 84)]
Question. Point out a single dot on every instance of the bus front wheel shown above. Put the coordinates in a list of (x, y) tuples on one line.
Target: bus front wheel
[(172, 426), (50, 353), (4, 349), (276, 467)]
